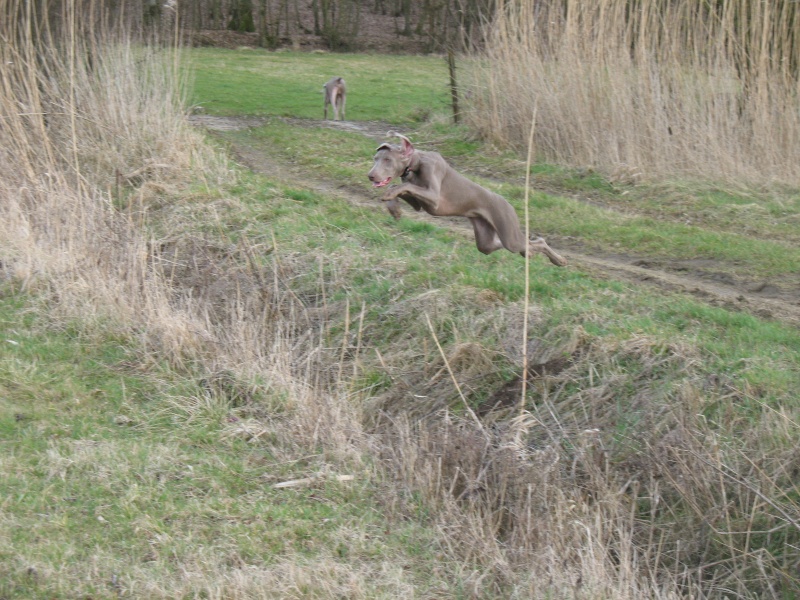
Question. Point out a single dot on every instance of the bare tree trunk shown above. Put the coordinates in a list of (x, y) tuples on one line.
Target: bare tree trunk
[(215, 15), (406, 9), (340, 22), (242, 16), (152, 13), (451, 66), (267, 27), (283, 16)]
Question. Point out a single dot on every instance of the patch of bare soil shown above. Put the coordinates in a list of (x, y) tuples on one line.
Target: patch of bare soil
[(218, 124), (704, 280)]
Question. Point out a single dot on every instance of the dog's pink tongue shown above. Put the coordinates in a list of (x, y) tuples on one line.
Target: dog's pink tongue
[(382, 183)]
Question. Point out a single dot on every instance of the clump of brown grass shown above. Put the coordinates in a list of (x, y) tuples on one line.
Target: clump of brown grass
[(610, 485), (91, 124), (657, 89)]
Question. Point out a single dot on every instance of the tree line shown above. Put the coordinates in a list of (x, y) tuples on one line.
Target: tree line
[(436, 25)]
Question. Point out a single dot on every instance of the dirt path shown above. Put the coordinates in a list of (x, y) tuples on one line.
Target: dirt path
[(765, 299)]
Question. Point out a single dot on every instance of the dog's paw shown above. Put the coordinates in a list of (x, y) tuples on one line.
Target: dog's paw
[(394, 209), (558, 260)]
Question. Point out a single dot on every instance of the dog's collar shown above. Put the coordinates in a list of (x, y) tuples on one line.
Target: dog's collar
[(408, 170)]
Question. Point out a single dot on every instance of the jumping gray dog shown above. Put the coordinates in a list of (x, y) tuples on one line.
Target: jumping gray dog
[(335, 95), (432, 185)]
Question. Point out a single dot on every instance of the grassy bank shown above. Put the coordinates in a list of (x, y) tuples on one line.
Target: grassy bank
[(124, 478)]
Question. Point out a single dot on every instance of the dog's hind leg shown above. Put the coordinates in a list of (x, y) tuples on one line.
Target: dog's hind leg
[(486, 237)]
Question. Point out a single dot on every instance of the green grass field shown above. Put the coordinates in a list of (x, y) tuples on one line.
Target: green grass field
[(658, 415), (395, 89)]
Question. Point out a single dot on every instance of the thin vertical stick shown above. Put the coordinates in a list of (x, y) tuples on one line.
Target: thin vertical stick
[(527, 273), (453, 377), (324, 296), (356, 360), (344, 338)]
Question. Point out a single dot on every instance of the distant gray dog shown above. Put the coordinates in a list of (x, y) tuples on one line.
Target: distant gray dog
[(335, 95), (430, 184)]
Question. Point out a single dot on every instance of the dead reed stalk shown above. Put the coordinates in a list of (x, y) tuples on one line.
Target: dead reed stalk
[(678, 89)]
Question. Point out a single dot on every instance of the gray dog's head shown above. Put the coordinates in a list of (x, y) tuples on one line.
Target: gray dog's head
[(391, 161)]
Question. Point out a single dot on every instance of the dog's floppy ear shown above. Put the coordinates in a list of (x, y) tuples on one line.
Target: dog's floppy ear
[(384, 146), (408, 147)]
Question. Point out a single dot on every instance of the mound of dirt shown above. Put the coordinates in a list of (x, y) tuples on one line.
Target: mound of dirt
[(222, 38)]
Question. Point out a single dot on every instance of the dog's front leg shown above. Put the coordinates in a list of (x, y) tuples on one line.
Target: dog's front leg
[(415, 196), (393, 206)]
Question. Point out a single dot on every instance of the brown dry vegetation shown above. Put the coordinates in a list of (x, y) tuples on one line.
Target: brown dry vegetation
[(531, 504), (646, 88)]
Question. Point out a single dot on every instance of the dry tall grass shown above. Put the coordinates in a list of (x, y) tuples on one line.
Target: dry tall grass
[(530, 506), (653, 89), (90, 120)]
